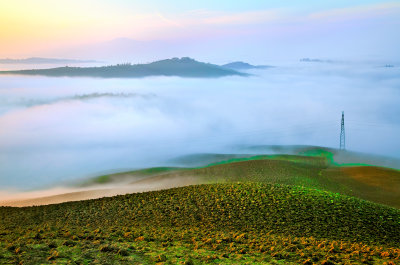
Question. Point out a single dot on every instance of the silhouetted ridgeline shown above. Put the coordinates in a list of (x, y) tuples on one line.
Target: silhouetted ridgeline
[(244, 66), (184, 67)]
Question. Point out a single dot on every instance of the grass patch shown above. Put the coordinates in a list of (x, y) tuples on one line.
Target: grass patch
[(217, 223)]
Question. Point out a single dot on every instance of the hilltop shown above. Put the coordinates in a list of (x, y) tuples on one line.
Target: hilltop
[(183, 67), (244, 66)]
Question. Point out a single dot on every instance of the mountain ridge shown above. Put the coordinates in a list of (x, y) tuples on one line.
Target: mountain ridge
[(43, 60), (182, 67), (239, 65)]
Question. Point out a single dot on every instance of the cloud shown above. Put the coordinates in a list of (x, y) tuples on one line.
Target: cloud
[(169, 21), (357, 12), (13, 104), (243, 18), (295, 103), (284, 16)]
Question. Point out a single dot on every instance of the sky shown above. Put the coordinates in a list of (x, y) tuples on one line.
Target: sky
[(342, 29)]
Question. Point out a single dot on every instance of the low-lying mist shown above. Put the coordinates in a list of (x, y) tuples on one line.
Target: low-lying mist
[(55, 130)]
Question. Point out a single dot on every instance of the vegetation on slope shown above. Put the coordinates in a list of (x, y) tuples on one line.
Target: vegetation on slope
[(184, 67), (221, 223), (376, 184)]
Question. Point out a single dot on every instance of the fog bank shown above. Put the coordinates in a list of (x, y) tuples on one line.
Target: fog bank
[(59, 129)]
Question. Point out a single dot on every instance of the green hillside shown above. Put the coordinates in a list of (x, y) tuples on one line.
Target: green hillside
[(314, 170), (265, 209), (216, 223)]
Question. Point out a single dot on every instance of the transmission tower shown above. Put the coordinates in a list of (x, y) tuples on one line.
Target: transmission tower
[(342, 135)]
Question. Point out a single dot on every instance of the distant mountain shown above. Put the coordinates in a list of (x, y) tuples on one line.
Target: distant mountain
[(244, 66), (39, 60), (183, 67), (309, 60)]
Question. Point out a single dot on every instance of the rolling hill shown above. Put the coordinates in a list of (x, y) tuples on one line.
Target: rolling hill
[(377, 184), (303, 208), (183, 67), (234, 209), (215, 223), (314, 169)]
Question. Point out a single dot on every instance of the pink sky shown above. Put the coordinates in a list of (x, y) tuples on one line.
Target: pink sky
[(58, 28)]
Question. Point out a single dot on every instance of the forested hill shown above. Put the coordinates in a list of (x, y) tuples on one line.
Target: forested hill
[(183, 67)]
